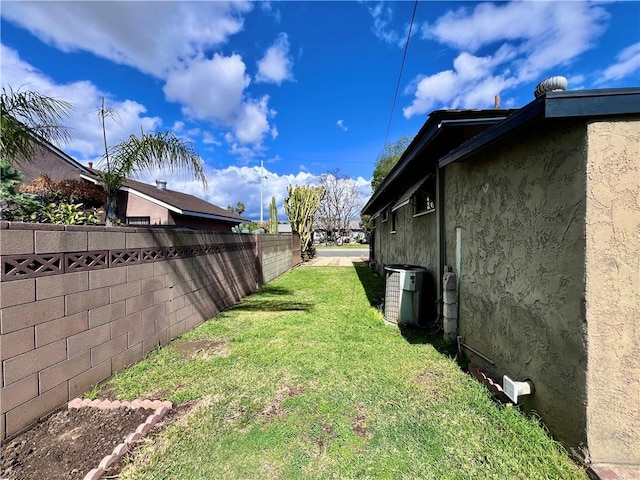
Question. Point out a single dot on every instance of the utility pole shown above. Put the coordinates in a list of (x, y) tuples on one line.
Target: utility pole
[(261, 187)]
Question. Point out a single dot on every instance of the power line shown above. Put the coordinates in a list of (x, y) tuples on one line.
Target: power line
[(404, 56)]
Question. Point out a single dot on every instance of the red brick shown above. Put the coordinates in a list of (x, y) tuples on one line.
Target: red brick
[(124, 291), (108, 349), (27, 413), (30, 314), (141, 333), (137, 272), (152, 284), (83, 382), (16, 343), (83, 342), (21, 366), (58, 285), (128, 357), (60, 328), (83, 301), (125, 324), (46, 242), (107, 277), (63, 371), (17, 292), (136, 304), (106, 313), (152, 313), (19, 392)]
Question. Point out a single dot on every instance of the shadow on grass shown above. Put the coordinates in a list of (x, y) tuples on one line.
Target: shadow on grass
[(266, 305), (269, 289), (372, 283), (374, 287)]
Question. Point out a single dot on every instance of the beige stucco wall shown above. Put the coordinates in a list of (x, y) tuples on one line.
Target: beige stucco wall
[(613, 291), (520, 207)]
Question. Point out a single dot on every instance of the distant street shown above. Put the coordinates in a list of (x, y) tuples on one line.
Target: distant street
[(342, 252)]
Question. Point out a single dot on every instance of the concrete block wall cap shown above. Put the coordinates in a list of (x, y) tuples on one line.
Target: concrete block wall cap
[(94, 474)]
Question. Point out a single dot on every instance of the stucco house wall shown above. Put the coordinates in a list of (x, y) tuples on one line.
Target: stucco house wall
[(520, 209), (130, 205), (613, 291)]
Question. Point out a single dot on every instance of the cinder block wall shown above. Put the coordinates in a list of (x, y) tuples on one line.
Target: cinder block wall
[(77, 304), (275, 256)]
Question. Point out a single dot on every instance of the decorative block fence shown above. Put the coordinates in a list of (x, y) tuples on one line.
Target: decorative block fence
[(78, 304)]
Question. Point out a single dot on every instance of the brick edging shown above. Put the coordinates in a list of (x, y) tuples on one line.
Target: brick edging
[(160, 410)]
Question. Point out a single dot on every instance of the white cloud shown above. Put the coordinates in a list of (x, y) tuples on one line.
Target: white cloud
[(276, 65), (86, 131), (152, 37), (252, 123), (342, 126), (627, 64), (233, 184), (553, 35), (209, 89), (382, 15)]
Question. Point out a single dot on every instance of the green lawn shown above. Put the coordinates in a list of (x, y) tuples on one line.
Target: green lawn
[(304, 380)]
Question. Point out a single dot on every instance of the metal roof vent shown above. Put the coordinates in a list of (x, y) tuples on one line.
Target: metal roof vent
[(161, 184), (552, 84)]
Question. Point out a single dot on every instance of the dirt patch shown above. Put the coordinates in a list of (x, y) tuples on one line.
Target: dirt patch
[(358, 423), (202, 349), (69, 443), (275, 407)]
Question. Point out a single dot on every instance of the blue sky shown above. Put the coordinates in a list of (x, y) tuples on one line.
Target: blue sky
[(307, 86)]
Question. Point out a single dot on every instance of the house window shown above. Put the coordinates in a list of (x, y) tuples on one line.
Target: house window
[(138, 220), (393, 222), (424, 199), (385, 215)]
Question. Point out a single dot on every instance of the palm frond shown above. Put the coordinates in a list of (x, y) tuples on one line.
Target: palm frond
[(26, 117)]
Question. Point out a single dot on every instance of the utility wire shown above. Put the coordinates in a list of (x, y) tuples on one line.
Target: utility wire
[(404, 56)]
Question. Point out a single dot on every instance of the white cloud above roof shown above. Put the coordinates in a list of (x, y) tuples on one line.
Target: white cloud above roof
[(276, 65), (513, 52), (627, 64)]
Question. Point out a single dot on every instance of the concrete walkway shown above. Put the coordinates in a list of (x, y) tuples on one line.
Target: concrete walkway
[(335, 261)]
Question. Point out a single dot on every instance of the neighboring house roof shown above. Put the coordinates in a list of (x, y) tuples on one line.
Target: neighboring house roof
[(177, 202), (438, 134)]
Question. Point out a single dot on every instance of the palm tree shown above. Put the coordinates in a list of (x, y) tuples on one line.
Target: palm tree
[(240, 208), (162, 150), (26, 116)]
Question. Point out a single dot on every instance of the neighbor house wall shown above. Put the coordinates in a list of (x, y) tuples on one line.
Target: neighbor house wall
[(520, 209), (130, 205), (77, 304), (47, 162), (613, 291)]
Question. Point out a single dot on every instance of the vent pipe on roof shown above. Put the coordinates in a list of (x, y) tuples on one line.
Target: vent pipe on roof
[(497, 102), (90, 164), (552, 84), (161, 184)]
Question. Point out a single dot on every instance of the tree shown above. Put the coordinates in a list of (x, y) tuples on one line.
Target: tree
[(149, 151), (26, 116), (273, 216), (340, 204), (300, 206), (240, 208), (230, 208), (387, 160)]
